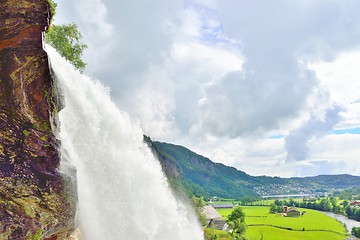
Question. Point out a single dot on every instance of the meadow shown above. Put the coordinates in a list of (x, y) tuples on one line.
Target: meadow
[(313, 225)]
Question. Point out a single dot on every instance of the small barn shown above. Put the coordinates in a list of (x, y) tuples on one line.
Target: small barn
[(219, 225), (214, 218), (292, 212), (210, 213), (223, 206)]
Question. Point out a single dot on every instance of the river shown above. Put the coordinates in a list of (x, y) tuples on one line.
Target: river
[(350, 223)]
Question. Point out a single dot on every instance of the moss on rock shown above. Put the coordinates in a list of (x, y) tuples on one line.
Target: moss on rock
[(36, 200)]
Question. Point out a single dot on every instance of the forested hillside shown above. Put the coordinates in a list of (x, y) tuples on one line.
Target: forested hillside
[(197, 175)]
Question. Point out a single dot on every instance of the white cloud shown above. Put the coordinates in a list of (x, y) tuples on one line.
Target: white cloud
[(208, 3), (332, 154), (276, 84), (341, 79), (340, 150), (222, 76), (297, 141), (191, 26), (201, 59), (189, 68)]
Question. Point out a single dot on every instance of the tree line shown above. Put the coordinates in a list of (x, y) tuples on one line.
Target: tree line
[(324, 204)]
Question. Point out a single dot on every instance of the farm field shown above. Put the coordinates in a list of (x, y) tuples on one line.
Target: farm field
[(270, 233), (265, 202), (311, 221)]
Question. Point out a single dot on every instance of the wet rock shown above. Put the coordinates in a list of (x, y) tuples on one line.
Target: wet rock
[(35, 199)]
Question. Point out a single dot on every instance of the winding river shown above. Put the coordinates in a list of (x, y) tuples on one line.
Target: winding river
[(350, 223)]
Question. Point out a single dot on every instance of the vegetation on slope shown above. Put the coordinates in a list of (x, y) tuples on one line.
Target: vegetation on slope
[(198, 175), (52, 6), (348, 194)]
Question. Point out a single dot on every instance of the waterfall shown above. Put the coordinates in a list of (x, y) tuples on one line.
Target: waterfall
[(123, 194)]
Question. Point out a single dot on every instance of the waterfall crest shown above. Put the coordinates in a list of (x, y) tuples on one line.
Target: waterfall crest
[(123, 193)]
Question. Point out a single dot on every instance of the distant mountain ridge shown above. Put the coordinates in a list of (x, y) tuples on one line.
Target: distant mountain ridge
[(197, 175)]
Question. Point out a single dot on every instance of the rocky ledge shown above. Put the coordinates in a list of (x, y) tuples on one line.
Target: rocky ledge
[(36, 200)]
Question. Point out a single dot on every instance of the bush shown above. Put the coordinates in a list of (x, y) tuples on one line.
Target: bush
[(356, 231), (212, 234)]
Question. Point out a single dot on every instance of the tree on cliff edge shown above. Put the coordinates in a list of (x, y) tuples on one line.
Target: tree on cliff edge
[(66, 39)]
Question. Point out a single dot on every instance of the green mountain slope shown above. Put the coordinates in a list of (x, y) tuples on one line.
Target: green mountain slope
[(197, 175)]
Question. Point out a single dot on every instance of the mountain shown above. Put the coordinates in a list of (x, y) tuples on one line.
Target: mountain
[(197, 175)]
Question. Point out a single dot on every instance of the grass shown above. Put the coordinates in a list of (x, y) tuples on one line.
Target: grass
[(216, 234), (312, 220), (264, 202), (270, 233)]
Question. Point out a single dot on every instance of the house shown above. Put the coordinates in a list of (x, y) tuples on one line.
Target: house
[(210, 213), (292, 212), (214, 218), (223, 206), (219, 225)]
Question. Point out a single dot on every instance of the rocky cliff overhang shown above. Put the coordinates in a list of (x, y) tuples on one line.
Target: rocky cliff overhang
[(35, 199)]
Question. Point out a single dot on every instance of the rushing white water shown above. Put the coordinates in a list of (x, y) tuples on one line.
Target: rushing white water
[(123, 194)]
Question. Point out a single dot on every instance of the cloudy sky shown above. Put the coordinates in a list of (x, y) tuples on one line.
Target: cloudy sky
[(269, 87)]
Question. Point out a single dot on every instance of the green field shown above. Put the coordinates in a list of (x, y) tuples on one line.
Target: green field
[(311, 222), (264, 202)]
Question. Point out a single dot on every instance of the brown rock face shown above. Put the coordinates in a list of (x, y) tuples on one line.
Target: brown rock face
[(35, 199)]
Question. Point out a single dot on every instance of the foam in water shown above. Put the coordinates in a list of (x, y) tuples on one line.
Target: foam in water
[(123, 194)]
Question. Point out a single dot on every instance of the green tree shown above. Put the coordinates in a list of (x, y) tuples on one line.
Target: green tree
[(198, 204), (198, 201), (291, 202), (273, 208), (345, 203), (66, 40), (356, 231), (236, 221), (337, 209), (333, 201)]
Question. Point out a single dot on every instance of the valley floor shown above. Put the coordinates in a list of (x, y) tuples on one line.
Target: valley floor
[(313, 225)]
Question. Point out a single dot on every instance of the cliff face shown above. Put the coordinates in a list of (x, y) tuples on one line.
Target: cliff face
[(35, 199)]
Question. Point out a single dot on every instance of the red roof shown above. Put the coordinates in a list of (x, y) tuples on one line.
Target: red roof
[(354, 203)]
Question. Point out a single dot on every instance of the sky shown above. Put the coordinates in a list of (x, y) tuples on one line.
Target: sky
[(269, 87)]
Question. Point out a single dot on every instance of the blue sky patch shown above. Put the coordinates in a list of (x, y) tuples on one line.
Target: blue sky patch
[(346, 131), (277, 137)]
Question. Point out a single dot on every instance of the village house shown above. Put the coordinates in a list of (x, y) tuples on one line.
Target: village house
[(292, 212), (214, 219)]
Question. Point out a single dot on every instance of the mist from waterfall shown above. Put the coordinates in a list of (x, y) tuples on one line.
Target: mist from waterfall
[(123, 193)]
